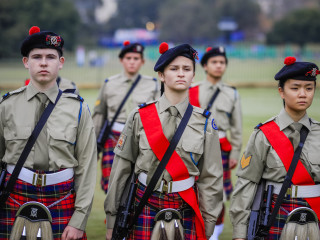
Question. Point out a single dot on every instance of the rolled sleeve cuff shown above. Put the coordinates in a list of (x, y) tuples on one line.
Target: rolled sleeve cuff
[(110, 221), (240, 231), (78, 220), (209, 227)]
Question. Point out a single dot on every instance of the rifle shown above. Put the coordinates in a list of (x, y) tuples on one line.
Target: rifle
[(255, 215), (125, 210)]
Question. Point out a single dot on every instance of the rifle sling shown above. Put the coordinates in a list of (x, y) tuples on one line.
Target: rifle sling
[(163, 163), (25, 153), (287, 182), (105, 132)]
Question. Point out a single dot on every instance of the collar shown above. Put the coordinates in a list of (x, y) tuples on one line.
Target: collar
[(285, 120), (124, 77), (51, 93), (164, 104)]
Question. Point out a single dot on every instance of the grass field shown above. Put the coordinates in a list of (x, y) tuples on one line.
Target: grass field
[(258, 104)]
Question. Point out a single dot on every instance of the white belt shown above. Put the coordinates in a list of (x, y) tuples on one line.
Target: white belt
[(222, 134), (118, 127), (42, 179), (296, 191), (170, 187)]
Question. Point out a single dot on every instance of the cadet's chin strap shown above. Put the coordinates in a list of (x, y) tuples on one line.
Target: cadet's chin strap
[(287, 181), (23, 157)]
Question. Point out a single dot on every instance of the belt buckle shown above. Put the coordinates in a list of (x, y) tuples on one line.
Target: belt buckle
[(39, 180), (166, 187)]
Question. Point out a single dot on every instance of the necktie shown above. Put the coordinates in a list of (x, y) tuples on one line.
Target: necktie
[(170, 123), (41, 160), (294, 136)]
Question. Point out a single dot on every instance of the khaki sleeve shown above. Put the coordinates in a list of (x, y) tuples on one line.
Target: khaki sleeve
[(100, 111), (236, 128), (210, 185), (249, 173), (126, 153), (85, 172)]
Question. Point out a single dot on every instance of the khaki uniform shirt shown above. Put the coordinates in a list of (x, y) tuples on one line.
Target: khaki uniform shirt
[(70, 142), (197, 140), (113, 92), (64, 84), (226, 111), (260, 160)]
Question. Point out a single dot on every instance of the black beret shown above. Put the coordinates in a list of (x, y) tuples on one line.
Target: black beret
[(131, 47), (297, 70), (41, 39), (168, 55), (212, 52)]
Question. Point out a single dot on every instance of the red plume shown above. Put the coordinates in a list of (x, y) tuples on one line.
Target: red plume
[(126, 43), (289, 60), (34, 29), (208, 49), (163, 47)]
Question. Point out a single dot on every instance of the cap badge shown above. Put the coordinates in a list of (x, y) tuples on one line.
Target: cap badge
[(138, 48), (195, 55), (314, 72), (221, 49), (53, 40)]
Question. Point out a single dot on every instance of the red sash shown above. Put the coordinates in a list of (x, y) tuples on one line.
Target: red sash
[(194, 96), (283, 147), (176, 167)]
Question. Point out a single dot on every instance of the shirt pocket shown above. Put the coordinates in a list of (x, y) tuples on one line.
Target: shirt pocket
[(314, 160), (62, 144), (15, 140), (192, 144), (223, 116)]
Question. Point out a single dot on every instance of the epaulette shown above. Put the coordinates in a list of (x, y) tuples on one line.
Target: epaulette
[(154, 79), (195, 84), (69, 90), (106, 80), (258, 126), (8, 94), (74, 96), (142, 105)]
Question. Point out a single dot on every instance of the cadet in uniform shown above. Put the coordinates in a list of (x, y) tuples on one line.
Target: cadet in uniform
[(198, 154), (112, 94), (264, 158), (224, 103), (60, 170)]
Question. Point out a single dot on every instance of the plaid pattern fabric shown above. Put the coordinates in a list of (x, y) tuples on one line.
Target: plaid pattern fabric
[(288, 204), (24, 192), (143, 228), (107, 159), (227, 184)]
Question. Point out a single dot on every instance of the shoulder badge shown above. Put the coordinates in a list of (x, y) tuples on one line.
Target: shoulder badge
[(121, 141), (245, 161)]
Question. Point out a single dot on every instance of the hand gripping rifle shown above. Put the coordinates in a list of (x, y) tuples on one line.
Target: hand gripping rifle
[(125, 210)]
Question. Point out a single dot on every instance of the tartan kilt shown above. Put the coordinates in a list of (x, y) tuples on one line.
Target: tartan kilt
[(227, 184), (24, 192), (288, 204), (107, 159), (143, 228)]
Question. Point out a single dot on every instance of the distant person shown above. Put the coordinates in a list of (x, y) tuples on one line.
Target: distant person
[(188, 192), (289, 140), (63, 84), (224, 103), (112, 108), (47, 141)]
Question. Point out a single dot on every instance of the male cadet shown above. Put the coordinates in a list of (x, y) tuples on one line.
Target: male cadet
[(224, 103), (57, 180), (118, 96)]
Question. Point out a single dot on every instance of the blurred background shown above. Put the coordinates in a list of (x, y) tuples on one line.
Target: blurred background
[(257, 34)]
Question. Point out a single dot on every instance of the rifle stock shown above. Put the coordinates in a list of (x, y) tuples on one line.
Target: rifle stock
[(125, 210), (255, 215)]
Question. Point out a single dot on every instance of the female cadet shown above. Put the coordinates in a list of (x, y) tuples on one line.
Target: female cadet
[(197, 155), (270, 151)]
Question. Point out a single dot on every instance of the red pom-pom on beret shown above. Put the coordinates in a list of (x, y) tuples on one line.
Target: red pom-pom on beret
[(208, 49), (289, 60), (34, 29), (163, 47), (126, 43)]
